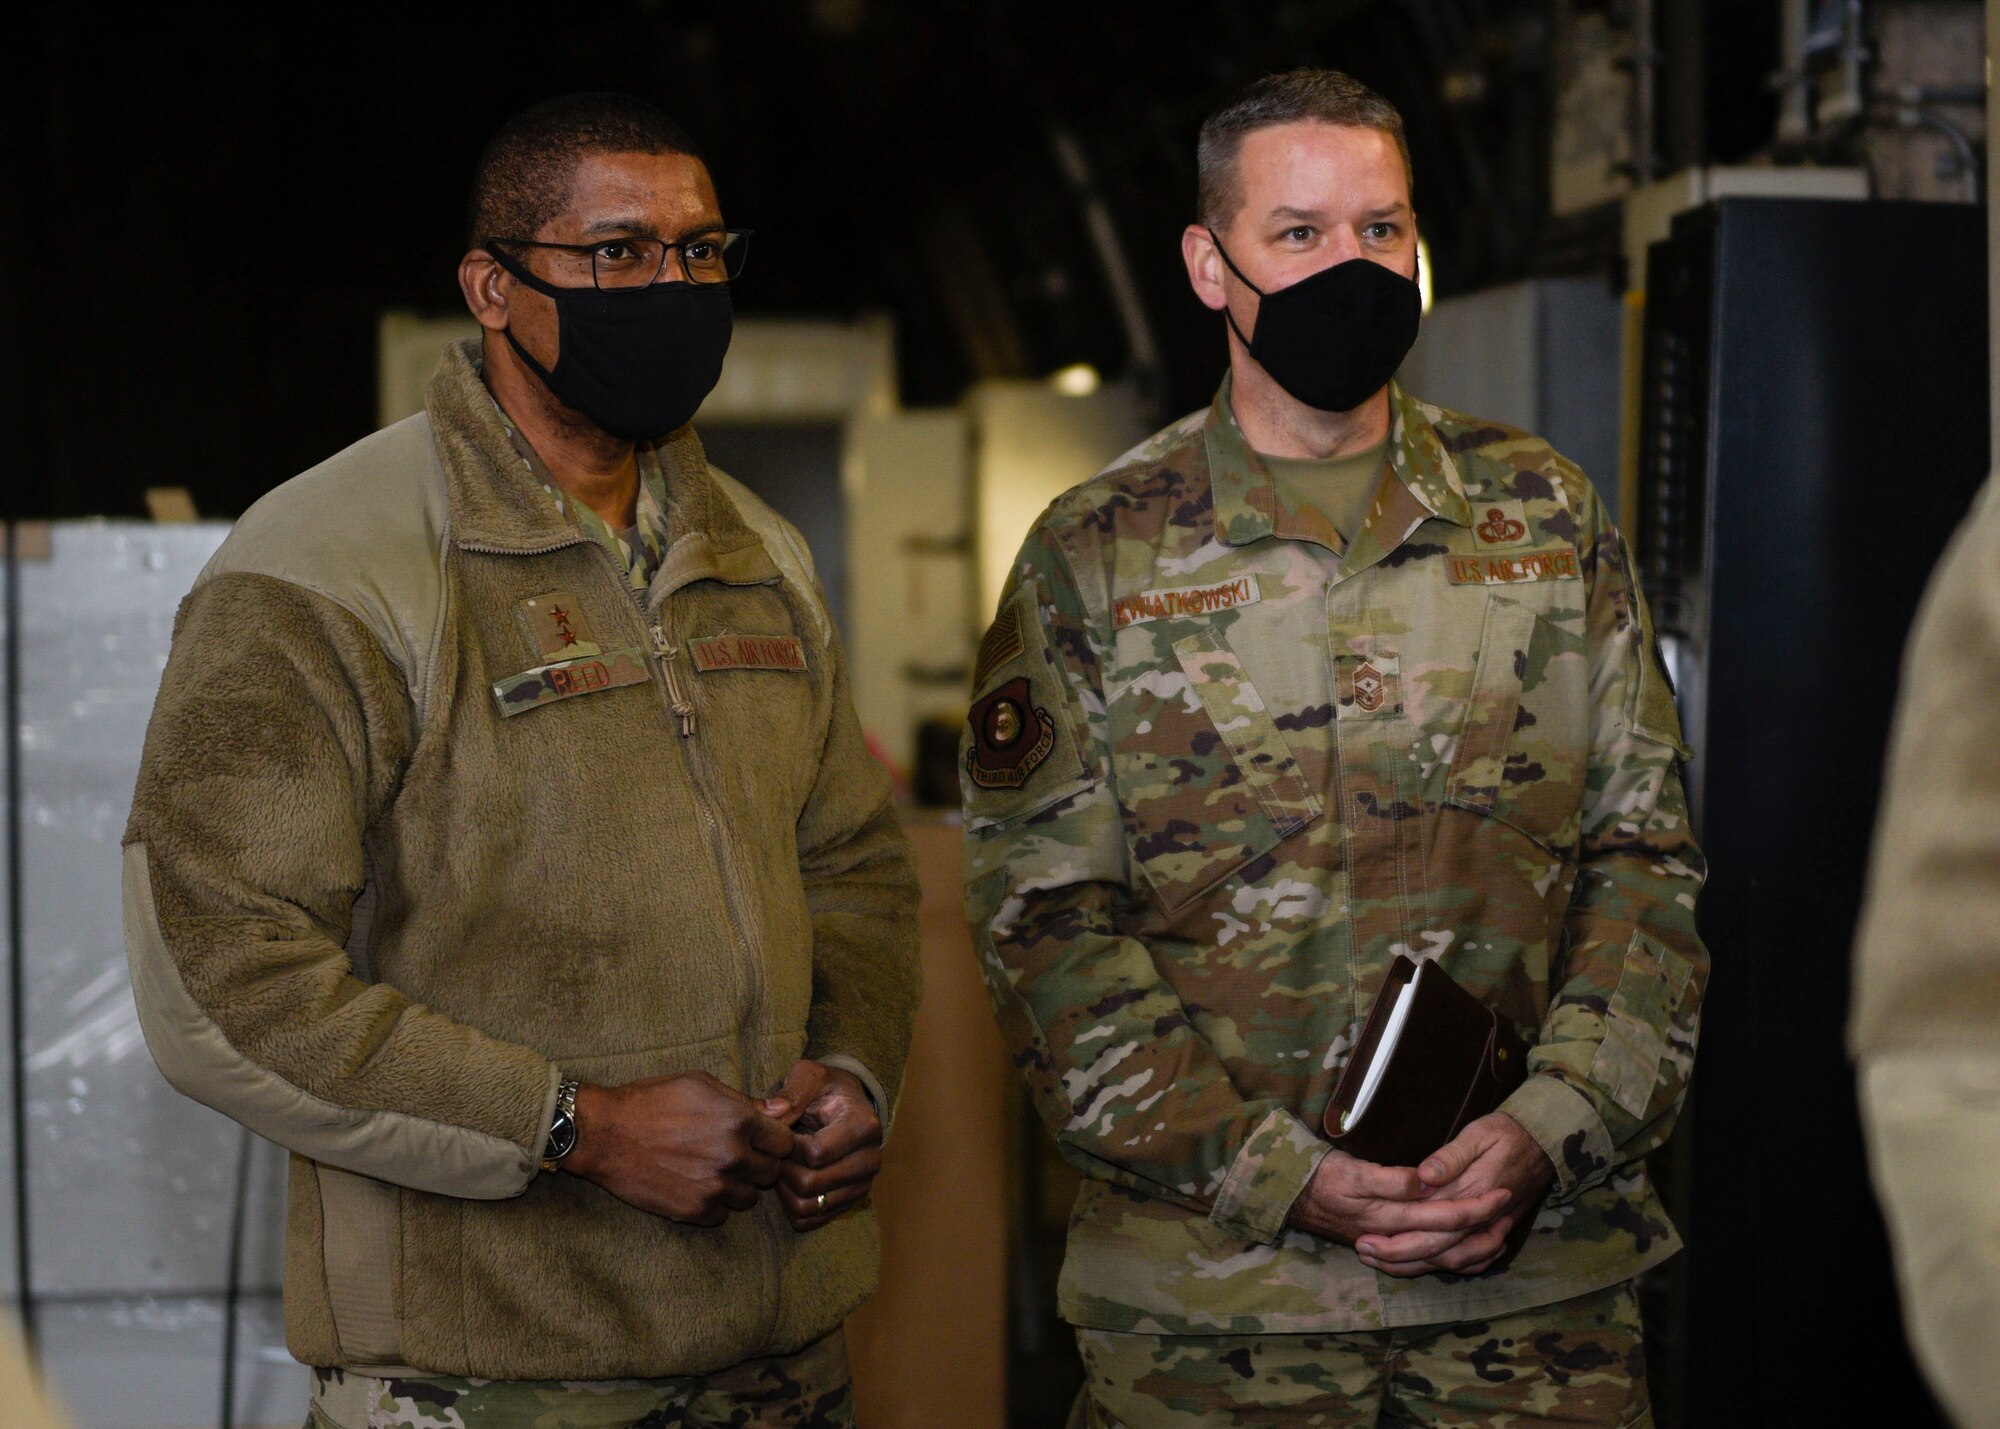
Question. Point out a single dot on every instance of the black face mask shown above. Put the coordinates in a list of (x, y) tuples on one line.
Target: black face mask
[(636, 361), (1333, 340)]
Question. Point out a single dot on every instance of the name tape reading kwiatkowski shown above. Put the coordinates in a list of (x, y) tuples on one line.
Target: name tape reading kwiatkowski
[(1189, 600)]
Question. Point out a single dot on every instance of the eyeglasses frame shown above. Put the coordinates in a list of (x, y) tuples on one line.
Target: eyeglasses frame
[(676, 247)]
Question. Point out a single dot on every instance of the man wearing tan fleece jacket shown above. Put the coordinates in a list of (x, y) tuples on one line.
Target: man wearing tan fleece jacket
[(505, 846), (1924, 1025)]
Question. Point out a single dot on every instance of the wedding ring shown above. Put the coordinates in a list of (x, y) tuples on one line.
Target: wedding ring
[(819, 1201)]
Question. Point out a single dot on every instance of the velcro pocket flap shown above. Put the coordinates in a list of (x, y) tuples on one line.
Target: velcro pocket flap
[(1639, 1022), (1650, 711), (1262, 755), (1525, 741), (1205, 779)]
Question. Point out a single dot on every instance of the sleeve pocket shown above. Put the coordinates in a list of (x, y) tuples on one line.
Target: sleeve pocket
[(1650, 711), (1638, 1021)]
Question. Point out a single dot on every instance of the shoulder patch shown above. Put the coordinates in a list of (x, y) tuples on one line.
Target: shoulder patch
[(1652, 711), (1019, 752), (1010, 739)]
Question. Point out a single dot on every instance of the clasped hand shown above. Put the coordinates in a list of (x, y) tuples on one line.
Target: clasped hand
[(1452, 1213), (836, 1146), (694, 1149)]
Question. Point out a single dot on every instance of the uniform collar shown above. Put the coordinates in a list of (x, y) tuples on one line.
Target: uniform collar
[(498, 503), (1422, 481)]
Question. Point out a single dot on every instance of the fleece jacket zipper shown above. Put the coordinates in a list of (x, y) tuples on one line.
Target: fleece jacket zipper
[(665, 654), (668, 653), (681, 707)]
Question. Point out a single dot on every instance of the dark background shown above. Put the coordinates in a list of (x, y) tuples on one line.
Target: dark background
[(206, 215)]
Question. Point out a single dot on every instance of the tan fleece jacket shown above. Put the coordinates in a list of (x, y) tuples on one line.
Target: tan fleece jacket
[(376, 919), (1925, 1021)]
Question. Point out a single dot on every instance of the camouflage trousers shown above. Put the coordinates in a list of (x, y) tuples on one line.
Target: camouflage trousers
[(812, 1389), (1576, 1362)]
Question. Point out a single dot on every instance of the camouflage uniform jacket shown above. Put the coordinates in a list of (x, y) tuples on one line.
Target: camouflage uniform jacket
[(1218, 775)]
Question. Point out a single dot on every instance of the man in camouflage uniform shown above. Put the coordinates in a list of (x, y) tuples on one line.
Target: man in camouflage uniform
[(1246, 727)]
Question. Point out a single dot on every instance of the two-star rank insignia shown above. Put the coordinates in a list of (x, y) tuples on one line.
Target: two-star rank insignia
[(555, 627), (1010, 738)]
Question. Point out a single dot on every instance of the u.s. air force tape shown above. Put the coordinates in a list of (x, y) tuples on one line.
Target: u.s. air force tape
[(1552, 565), (748, 652)]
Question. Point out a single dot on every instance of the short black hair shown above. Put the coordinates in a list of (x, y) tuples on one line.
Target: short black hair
[(1323, 94), (526, 171)]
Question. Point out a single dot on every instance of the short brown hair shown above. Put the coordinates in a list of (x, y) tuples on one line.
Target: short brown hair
[(1326, 95)]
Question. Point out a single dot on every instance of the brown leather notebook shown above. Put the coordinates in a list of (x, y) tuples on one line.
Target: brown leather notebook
[(1432, 1057)]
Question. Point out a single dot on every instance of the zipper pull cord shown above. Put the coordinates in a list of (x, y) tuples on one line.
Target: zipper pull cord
[(669, 654)]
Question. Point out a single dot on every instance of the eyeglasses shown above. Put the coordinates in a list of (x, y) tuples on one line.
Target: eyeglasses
[(714, 256)]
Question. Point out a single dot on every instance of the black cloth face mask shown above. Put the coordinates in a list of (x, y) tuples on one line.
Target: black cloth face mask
[(636, 361), (1334, 339)]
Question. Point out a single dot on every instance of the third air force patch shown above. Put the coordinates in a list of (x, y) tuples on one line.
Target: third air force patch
[(1010, 738)]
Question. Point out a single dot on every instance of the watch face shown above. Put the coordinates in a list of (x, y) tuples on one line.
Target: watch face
[(562, 1137)]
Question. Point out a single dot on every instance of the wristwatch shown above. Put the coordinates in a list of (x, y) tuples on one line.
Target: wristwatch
[(562, 1127)]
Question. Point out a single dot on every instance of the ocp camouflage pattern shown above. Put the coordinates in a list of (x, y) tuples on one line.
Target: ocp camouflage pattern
[(1256, 802), (545, 684), (1576, 1362), (811, 1389), (639, 549)]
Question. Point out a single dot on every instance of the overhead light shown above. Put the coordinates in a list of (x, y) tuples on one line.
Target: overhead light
[(1424, 272), (1079, 379)]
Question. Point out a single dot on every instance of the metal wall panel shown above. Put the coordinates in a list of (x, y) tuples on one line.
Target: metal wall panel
[(153, 1363), (130, 1185), (1542, 355), (1814, 428), (128, 1182)]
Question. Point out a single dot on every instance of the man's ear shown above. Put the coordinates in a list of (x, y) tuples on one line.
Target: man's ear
[(1204, 267), (480, 280)]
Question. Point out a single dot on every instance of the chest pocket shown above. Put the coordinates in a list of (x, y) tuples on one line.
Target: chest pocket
[(1524, 744), (1205, 778)]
